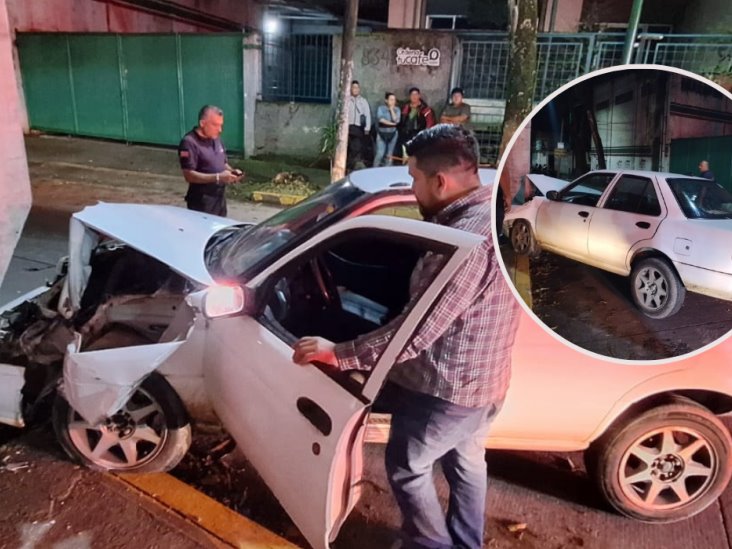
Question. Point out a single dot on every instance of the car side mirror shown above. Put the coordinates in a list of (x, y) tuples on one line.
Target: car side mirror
[(227, 300), (552, 195)]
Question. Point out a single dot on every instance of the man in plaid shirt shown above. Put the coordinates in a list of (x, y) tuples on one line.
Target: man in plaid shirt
[(453, 375)]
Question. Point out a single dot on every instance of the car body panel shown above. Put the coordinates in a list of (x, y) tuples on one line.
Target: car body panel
[(176, 232), (12, 380)]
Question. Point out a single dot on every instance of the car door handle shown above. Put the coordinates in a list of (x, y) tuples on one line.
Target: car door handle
[(643, 225), (315, 415), (583, 214)]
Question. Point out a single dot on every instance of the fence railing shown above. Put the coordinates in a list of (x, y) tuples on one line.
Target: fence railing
[(563, 57), (297, 68)]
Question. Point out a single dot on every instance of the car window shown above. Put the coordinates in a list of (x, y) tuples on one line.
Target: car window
[(347, 287), (587, 190), (634, 194), (701, 198), (409, 211)]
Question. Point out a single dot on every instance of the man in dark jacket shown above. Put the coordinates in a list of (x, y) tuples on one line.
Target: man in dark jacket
[(204, 164), (704, 170), (416, 116)]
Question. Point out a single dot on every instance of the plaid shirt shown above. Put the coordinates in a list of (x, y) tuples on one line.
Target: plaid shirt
[(462, 350)]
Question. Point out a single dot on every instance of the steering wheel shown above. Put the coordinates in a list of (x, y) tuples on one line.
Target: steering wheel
[(326, 283)]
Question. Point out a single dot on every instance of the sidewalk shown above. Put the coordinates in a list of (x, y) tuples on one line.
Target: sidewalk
[(48, 502)]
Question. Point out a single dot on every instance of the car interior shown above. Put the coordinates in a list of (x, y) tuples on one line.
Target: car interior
[(347, 288)]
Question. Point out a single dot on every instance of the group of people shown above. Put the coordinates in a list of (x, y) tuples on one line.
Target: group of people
[(394, 125)]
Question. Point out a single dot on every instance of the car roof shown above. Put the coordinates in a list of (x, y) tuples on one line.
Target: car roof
[(648, 173), (374, 180)]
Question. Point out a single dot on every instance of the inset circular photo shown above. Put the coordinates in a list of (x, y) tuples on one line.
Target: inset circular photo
[(616, 222)]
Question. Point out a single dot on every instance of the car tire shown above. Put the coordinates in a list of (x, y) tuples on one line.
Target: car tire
[(656, 288), (151, 433), (665, 465), (522, 238)]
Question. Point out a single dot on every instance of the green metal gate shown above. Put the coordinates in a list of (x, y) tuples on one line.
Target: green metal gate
[(687, 153), (138, 88)]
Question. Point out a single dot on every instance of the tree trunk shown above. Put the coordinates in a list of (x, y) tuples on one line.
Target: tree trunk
[(521, 74), (338, 168), (596, 139), (15, 195)]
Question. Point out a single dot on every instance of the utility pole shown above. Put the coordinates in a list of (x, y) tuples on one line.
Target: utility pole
[(630, 36), (15, 192), (338, 171), (520, 85)]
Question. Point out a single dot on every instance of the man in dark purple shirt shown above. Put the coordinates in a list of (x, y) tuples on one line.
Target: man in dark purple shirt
[(204, 163)]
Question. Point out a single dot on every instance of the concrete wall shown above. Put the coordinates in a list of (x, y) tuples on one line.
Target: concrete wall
[(697, 110), (293, 128), (15, 191), (289, 128), (567, 18), (707, 16), (93, 16)]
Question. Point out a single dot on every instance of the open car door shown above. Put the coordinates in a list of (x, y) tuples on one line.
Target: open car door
[(302, 427)]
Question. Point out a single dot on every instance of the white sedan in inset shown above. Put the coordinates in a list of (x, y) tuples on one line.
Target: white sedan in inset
[(669, 233), (164, 317)]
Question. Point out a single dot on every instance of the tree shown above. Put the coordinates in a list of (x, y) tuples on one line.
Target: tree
[(520, 80), (338, 170), (15, 195)]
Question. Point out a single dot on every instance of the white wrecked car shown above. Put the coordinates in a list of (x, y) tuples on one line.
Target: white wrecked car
[(669, 233), (166, 317)]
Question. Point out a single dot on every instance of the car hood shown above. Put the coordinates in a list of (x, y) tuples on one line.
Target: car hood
[(175, 236), (545, 183)]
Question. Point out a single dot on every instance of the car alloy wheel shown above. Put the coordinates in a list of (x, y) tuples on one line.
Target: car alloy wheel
[(522, 240), (149, 433), (665, 464), (667, 468), (656, 289)]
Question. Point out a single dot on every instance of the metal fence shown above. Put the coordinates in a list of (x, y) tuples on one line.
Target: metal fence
[(483, 63), (297, 68), (137, 88), (563, 57)]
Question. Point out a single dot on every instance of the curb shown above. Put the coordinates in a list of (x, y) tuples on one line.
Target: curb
[(203, 512), (277, 198), (522, 279)]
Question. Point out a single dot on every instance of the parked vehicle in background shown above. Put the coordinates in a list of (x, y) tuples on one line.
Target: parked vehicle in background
[(668, 233)]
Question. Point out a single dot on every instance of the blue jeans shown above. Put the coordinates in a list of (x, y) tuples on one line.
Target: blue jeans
[(425, 430), (384, 150)]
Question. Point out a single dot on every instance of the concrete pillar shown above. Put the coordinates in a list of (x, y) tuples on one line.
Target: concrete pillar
[(15, 192), (562, 16), (252, 87), (407, 14)]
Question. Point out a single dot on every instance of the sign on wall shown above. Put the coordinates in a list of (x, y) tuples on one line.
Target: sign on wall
[(418, 58)]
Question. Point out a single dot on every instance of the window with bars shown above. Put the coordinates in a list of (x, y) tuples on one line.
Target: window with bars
[(297, 67)]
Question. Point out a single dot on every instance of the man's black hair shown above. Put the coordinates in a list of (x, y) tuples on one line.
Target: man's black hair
[(387, 94), (455, 90), (355, 82), (444, 146), (414, 89), (207, 109)]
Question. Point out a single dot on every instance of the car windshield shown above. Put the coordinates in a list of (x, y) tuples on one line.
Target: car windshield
[(231, 252), (702, 198)]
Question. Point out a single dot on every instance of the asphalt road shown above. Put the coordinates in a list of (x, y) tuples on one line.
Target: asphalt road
[(594, 309)]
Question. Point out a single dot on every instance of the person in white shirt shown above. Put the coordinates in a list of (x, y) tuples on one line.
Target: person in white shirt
[(359, 126)]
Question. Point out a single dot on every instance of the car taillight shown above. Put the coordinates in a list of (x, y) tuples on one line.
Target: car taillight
[(223, 300)]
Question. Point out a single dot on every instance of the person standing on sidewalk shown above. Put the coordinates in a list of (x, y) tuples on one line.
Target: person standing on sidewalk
[(457, 111), (452, 377), (205, 165), (416, 116), (388, 117), (359, 126)]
